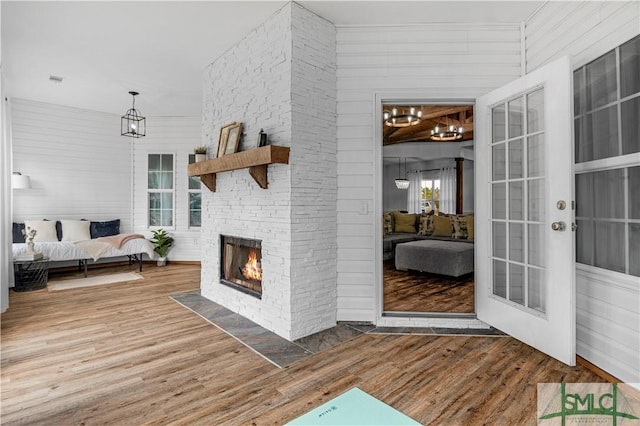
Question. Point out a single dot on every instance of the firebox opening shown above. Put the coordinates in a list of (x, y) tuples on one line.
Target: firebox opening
[(241, 264)]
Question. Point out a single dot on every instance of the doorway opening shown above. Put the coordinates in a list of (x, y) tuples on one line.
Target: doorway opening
[(428, 209)]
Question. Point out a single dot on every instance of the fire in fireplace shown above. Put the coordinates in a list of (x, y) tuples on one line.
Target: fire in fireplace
[(240, 264)]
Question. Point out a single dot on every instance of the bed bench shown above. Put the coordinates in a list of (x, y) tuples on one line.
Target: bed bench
[(78, 240)]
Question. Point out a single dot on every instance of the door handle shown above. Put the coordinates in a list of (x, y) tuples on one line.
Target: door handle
[(558, 226)]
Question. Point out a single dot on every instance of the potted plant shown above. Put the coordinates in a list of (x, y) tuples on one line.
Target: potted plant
[(163, 243), (201, 153)]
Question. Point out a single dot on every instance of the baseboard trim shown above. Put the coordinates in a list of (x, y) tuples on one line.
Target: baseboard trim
[(597, 370)]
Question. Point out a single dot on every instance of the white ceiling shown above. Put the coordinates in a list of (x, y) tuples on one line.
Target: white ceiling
[(105, 49)]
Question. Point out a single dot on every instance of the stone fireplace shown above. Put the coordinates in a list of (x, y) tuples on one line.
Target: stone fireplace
[(280, 78), (241, 264)]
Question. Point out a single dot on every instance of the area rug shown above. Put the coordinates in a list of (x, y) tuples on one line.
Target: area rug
[(354, 407), (93, 281)]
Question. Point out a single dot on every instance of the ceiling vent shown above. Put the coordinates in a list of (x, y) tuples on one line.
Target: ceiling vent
[(55, 79)]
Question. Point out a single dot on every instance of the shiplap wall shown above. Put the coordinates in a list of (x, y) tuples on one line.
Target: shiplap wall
[(81, 168), (438, 61), (177, 136), (79, 165), (582, 30), (608, 303)]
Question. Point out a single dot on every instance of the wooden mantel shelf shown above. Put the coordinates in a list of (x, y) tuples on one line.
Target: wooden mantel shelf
[(256, 160)]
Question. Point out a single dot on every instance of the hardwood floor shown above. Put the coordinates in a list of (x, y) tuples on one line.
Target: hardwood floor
[(127, 354), (413, 291)]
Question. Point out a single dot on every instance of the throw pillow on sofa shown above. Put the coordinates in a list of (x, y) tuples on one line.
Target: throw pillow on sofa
[(105, 228), (459, 223), (404, 222), (45, 230), (442, 226), (17, 232), (470, 227), (425, 225), (387, 223), (75, 230)]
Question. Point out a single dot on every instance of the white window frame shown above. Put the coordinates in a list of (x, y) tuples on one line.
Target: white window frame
[(432, 178), (171, 191), (621, 161), (193, 191)]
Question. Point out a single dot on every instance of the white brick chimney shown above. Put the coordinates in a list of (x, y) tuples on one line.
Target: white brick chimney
[(281, 78)]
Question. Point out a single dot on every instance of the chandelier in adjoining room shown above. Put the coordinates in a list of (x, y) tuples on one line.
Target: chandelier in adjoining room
[(446, 133), (403, 117), (402, 183), (133, 124)]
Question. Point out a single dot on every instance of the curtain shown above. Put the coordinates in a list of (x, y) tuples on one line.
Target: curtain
[(6, 253), (448, 190), (414, 193)]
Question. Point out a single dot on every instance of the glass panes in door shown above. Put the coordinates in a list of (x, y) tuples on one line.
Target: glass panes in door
[(517, 199)]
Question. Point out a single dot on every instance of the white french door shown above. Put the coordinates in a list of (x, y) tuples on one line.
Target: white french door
[(525, 247)]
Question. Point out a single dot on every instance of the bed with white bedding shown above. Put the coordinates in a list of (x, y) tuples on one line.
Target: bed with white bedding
[(95, 249)]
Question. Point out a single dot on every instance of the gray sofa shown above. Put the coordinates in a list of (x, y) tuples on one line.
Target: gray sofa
[(435, 254)]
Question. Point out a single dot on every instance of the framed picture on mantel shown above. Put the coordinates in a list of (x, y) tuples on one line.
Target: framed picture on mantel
[(233, 138), (224, 136)]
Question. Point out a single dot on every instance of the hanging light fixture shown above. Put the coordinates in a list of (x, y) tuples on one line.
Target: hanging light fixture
[(402, 118), (133, 124), (446, 133), (402, 183)]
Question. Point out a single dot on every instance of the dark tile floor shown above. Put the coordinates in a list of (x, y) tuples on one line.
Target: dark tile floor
[(282, 352)]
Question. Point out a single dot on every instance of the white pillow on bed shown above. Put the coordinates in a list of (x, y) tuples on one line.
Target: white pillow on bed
[(75, 230), (45, 230)]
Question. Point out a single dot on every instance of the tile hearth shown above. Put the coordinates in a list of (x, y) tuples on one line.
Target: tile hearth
[(280, 351)]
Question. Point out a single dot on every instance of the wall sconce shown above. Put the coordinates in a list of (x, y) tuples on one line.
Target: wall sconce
[(20, 181)]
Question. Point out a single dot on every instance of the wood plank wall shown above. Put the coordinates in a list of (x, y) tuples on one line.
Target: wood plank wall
[(177, 136), (79, 165), (582, 30), (439, 61), (608, 303), (81, 168)]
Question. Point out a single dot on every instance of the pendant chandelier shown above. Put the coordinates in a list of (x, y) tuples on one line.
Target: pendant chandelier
[(446, 133), (402, 183), (133, 124), (402, 118)]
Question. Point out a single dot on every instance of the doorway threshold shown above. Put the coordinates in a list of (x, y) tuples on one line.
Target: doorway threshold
[(402, 314), (431, 319)]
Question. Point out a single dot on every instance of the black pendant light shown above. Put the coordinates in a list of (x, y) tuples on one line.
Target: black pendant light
[(133, 124)]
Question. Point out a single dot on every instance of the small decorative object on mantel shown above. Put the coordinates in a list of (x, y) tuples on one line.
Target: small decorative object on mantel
[(224, 136), (233, 138), (262, 138), (163, 243), (200, 152)]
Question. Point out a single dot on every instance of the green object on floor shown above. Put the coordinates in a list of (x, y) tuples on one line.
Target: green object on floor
[(354, 407)]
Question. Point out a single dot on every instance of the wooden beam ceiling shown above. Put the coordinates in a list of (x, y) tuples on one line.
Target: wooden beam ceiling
[(432, 116)]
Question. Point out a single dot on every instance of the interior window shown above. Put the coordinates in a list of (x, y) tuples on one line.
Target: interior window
[(195, 194), (160, 189)]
